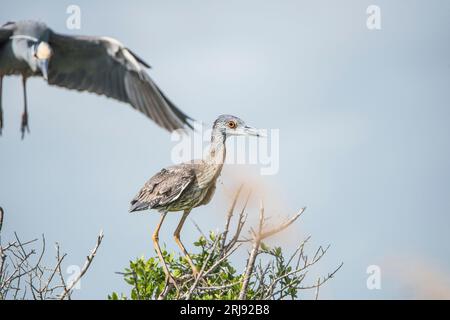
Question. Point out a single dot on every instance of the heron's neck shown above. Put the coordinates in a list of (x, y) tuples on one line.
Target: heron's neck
[(217, 150)]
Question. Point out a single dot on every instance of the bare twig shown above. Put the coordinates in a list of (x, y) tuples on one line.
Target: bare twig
[(86, 266), (229, 216), (316, 296), (281, 227), (1, 218), (218, 262), (198, 228), (61, 277), (253, 254), (202, 270), (217, 288), (57, 268), (240, 224)]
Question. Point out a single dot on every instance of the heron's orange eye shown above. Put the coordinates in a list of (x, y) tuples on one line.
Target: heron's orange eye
[(231, 124)]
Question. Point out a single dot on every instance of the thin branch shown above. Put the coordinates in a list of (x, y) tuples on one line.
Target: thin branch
[(230, 215), (316, 296), (282, 226), (85, 267), (217, 288), (54, 272), (198, 228), (252, 257), (218, 262), (61, 277), (1, 218), (202, 270), (325, 279), (240, 224)]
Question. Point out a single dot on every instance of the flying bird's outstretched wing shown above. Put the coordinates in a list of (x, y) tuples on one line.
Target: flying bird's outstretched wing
[(5, 32), (104, 66)]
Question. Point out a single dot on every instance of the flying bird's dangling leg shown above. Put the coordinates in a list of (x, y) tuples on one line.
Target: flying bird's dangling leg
[(155, 238), (24, 126), (176, 236), (1, 107)]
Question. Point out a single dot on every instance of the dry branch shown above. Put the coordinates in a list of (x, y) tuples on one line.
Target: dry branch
[(86, 266), (23, 276)]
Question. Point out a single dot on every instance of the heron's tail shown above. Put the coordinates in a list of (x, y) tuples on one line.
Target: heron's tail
[(136, 205)]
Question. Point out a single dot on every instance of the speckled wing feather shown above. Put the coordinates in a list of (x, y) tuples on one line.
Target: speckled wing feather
[(164, 188)]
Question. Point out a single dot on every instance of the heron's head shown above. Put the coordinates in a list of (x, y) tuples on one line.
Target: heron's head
[(233, 126), (42, 52)]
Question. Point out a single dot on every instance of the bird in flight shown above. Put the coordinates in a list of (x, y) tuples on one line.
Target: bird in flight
[(188, 185), (84, 63)]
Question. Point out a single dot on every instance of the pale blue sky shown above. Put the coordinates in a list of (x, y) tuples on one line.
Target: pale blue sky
[(363, 118)]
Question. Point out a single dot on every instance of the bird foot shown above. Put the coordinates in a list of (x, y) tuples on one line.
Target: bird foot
[(24, 126), (171, 282), (195, 272)]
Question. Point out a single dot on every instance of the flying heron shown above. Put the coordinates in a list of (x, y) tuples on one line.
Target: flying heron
[(188, 185), (96, 64)]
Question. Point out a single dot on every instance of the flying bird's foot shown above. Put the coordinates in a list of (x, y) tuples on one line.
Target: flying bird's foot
[(24, 126)]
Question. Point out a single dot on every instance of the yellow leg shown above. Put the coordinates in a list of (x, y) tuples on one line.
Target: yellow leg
[(176, 236), (155, 238)]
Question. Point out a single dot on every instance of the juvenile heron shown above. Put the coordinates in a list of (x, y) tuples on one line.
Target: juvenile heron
[(188, 185), (96, 64)]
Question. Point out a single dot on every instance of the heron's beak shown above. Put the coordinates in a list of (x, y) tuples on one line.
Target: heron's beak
[(43, 66), (249, 131)]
